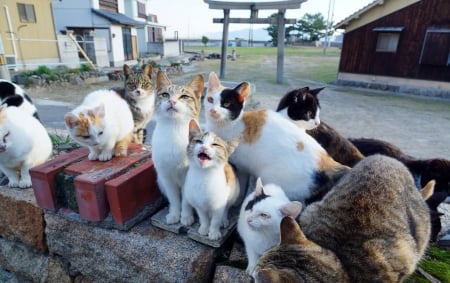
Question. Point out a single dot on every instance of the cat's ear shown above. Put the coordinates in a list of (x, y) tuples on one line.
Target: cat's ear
[(127, 71), (14, 100), (71, 120), (213, 83), (197, 84), (194, 129), (316, 91), (162, 80), (428, 190), (99, 111), (243, 89), (233, 144), (148, 70), (290, 231), (259, 189), (291, 209)]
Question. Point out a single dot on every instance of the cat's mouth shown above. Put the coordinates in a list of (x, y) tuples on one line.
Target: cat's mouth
[(203, 157)]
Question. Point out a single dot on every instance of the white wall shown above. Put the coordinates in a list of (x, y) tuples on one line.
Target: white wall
[(116, 56)]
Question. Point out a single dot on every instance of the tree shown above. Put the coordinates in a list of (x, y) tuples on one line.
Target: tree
[(205, 40), (312, 27), (272, 30)]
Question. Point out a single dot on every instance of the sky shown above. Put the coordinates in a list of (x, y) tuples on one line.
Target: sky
[(193, 18)]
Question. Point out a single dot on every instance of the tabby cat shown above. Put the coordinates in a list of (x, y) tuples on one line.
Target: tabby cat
[(139, 92), (260, 217), (374, 220), (271, 146), (175, 107), (24, 143), (302, 106), (211, 186), (102, 122)]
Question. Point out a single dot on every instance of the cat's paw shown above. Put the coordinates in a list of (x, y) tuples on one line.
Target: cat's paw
[(105, 156), (92, 156), (24, 183), (172, 218), (203, 230), (13, 184), (214, 234), (187, 220)]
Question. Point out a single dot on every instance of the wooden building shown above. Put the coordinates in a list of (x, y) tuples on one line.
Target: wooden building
[(398, 45)]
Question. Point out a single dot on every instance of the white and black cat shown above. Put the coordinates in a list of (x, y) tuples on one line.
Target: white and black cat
[(175, 107), (373, 226), (260, 217), (271, 146), (24, 143), (211, 186), (12, 94), (102, 122)]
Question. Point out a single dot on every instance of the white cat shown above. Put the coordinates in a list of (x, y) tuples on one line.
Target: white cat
[(103, 122), (271, 146), (24, 143), (260, 218), (211, 186), (175, 107)]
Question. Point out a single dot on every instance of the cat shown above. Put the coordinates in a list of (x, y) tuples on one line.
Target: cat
[(175, 107), (423, 171), (211, 186), (102, 122), (12, 94), (374, 220), (302, 107), (139, 92), (271, 146), (24, 144), (259, 219)]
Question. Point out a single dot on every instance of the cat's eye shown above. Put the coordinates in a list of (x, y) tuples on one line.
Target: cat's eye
[(226, 104), (184, 97), (216, 145), (210, 99), (165, 95), (265, 215), (100, 133), (198, 141), (309, 113), (131, 86), (86, 137)]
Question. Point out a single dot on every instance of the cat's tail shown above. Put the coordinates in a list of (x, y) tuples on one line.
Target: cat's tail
[(325, 181)]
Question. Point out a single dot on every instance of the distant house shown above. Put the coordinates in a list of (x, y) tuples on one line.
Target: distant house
[(400, 45), (27, 34), (124, 25)]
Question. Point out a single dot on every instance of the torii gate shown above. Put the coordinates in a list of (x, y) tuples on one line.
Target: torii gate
[(254, 7)]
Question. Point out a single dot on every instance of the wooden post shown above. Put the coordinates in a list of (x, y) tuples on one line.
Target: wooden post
[(280, 46), (223, 57)]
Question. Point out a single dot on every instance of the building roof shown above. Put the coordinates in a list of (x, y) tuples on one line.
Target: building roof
[(342, 24), (118, 18)]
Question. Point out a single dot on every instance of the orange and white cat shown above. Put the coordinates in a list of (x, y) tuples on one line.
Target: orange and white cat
[(271, 147), (104, 123), (24, 143)]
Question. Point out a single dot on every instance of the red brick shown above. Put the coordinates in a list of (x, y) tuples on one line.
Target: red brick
[(43, 177), (91, 177), (131, 192)]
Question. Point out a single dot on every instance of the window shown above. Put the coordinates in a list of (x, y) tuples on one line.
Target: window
[(387, 42), (141, 10), (436, 47), (26, 13), (109, 5)]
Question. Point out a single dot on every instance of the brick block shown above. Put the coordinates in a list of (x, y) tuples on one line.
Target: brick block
[(131, 192), (90, 178), (43, 177)]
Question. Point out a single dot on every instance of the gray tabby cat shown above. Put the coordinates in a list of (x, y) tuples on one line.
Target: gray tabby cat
[(373, 226), (139, 92)]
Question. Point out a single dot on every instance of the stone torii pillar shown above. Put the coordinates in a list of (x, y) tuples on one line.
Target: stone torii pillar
[(254, 7)]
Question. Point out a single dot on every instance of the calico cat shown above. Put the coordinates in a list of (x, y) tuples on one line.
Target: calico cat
[(211, 186), (139, 92), (102, 122), (302, 106), (260, 217), (374, 220), (423, 171), (13, 95), (271, 146), (175, 107), (24, 144)]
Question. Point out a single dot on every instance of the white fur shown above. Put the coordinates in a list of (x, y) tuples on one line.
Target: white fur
[(26, 105), (206, 189), (259, 228), (27, 145), (169, 142), (117, 122), (307, 125), (274, 156)]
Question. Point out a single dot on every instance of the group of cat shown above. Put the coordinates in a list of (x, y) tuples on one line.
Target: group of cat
[(338, 214)]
